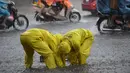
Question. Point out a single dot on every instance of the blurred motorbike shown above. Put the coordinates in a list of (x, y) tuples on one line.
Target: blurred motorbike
[(113, 20), (18, 21), (106, 23), (73, 16)]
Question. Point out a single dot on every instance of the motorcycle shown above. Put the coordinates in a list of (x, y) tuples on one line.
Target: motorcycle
[(73, 16), (16, 20), (108, 22)]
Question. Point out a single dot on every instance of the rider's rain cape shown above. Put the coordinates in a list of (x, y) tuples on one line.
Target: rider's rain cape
[(3, 8), (103, 6), (124, 6)]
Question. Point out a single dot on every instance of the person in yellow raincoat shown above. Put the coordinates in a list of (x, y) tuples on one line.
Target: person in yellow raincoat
[(76, 45), (44, 43)]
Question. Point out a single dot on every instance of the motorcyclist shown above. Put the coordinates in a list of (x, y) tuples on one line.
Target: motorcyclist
[(4, 12), (114, 7), (68, 6), (44, 5), (47, 5), (124, 9)]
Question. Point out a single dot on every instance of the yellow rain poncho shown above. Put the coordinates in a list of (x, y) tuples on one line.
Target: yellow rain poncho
[(44, 43), (76, 44)]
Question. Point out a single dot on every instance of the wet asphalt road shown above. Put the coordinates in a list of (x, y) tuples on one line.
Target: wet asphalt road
[(110, 53)]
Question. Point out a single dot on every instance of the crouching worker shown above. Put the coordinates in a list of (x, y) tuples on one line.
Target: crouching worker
[(44, 43), (76, 45)]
